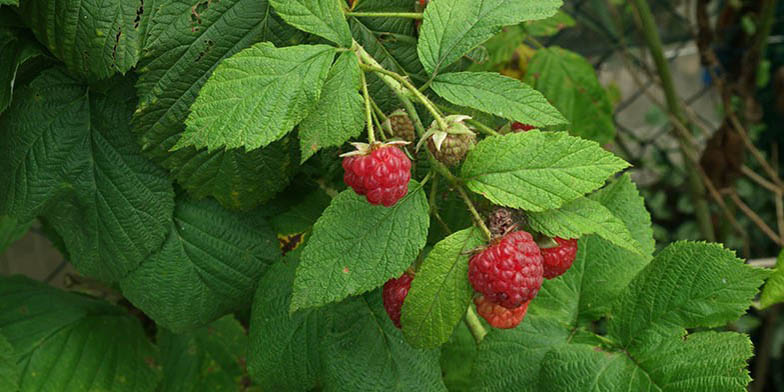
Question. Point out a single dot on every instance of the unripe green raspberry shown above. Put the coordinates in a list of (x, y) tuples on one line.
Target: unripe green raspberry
[(450, 146), (400, 126)]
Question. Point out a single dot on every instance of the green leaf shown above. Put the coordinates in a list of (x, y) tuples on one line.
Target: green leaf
[(580, 217), (9, 2), (457, 359), (441, 293), (15, 49), (451, 29), (208, 266), (687, 285), (497, 94), (363, 351), (9, 371), (510, 360), (550, 26), (180, 54), (705, 361), (341, 111), (11, 231), (206, 359), (357, 246), (773, 292), (303, 214), (257, 96), (284, 347), (537, 171), (94, 39), (68, 342), (320, 17), (624, 200), (570, 83), (70, 157)]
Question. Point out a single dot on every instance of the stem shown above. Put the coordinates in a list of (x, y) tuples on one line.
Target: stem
[(418, 94), (409, 15), (478, 218), (649, 31), (380, 113), (482, 127), (366, 59), (474, 325), (368, 114)]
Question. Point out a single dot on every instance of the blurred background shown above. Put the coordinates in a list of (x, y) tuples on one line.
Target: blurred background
[(722, 103)]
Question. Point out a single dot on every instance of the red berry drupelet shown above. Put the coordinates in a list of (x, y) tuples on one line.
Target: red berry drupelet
[(499, 316), (509, 272), (381, 175), (395, 291), (520, 127), (558, 260)]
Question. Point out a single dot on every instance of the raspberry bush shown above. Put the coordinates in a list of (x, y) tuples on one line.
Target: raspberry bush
[(230, 175)]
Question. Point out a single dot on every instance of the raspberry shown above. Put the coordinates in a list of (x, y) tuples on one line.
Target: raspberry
[(557, 260), (518, 126), (395, 291), (450, 145), (509, 272), (401, 126), (499, 316), (380, 172)]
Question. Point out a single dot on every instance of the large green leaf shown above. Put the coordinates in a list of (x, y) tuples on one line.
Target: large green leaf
[(570, 83), (284, 347), (68, 342), (451, 29), (705, 361), (206, 359), (320, 17), (69, 156), (624, 200), (208, 266), (441, 293), (357, 246), (537, 171), (687, 285), (773, 292), (16, 48), (363, 351), (9, 371), (457, 359), (549, 26), (94, 38), (180, 54), (341, 111), (257, 96), (500, 95)]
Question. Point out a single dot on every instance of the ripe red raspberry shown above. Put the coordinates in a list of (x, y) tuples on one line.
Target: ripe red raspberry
[(380, 172), (509, 272), (518, 126), (401, 126), (394, 293), (557, 260), (499, 316)]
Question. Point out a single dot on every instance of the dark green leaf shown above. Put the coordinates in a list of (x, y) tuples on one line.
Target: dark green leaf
[(320, 17)]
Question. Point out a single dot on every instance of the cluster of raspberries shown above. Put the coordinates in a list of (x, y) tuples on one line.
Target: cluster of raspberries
[(506, 275)]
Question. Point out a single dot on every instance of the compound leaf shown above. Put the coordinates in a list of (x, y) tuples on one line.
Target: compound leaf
[(537, 171), (257, 96)]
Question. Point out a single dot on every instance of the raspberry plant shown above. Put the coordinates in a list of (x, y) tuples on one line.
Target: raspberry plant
[(186, 154)]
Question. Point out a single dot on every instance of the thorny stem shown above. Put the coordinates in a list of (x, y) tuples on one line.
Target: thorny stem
[(478, 218), (418, 94), (474, 325), (409, 15), (368, 114), (380, 113), (482, 127)]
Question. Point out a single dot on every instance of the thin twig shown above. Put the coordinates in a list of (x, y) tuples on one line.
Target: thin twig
[(754, 217)]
